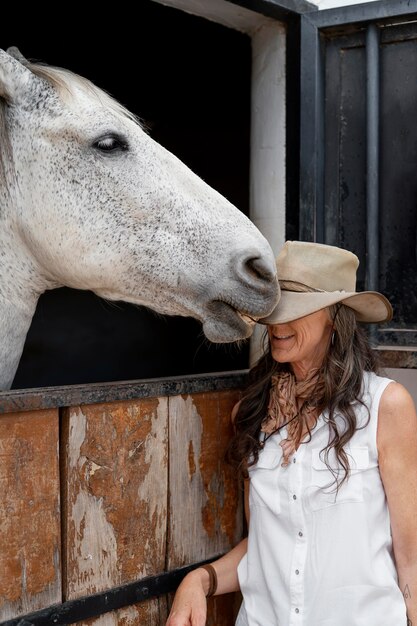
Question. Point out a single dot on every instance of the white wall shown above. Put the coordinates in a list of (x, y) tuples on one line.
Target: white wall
[(332, 4)]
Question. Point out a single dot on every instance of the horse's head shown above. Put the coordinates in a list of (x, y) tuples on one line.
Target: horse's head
[(96, 204)]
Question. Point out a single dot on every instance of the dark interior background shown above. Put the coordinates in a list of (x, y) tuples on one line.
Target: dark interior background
[(189, 81)]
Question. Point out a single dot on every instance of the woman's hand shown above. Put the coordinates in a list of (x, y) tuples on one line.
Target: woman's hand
[(190, 605)]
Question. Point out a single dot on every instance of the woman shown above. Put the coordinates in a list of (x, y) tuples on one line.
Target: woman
[(329, 450)]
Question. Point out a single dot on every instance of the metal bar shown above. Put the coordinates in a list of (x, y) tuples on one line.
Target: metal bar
[(311, 133), (292, 129), (372, 160), (73, 395), (320, 139), (372, 156), (106, 601)]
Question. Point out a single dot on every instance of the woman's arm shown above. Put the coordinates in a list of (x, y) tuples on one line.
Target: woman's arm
[(397, 448), (190, 606)]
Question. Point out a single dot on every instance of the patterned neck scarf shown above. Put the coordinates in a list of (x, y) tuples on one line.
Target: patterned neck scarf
[(295, 404)]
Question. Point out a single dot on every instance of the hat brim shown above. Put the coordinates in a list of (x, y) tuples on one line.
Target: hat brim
[(369, 306)]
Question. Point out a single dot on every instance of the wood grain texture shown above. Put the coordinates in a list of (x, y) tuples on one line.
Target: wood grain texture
[(144, 489), (116, 500), (205, 512), (205, 506), (30, 574)]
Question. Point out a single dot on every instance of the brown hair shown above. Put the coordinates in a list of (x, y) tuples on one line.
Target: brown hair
[(348, 356)]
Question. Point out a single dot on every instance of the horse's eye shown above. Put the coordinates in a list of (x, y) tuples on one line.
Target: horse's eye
[(110, 144)]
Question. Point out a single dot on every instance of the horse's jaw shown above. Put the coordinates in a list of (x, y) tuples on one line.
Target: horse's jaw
[(224, 318), (223, 323)]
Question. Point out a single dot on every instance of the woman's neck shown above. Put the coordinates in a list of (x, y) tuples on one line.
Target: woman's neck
[(304, 370)]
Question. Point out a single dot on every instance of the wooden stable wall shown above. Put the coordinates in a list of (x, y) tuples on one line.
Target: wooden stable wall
[(102, 485), (100, 493)]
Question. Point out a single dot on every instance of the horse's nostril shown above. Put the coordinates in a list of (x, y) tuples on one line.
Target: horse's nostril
[(261, 268)]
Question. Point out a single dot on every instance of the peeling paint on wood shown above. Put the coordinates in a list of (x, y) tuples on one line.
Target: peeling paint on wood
[(114, 501), (222, 513), (205, 514), (30, 577), (117, 494)]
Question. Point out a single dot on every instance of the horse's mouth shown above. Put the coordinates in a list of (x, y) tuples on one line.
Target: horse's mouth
[(248, 319), (226, 322)]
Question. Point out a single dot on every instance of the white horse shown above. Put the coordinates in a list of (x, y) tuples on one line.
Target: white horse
[(88, 200)]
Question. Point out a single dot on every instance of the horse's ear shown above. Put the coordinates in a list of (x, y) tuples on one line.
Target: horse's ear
[(15, 78)]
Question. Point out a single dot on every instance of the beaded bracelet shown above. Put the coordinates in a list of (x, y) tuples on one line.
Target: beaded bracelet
[(213, 579)]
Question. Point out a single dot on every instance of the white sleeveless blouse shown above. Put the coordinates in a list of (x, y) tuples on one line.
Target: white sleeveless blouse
[(316, 558)]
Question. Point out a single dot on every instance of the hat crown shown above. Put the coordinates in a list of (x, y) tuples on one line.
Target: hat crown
[(319, 266)]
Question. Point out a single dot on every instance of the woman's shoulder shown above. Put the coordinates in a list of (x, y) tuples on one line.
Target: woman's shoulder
[(395, 398), (397, 418), (375, 383)]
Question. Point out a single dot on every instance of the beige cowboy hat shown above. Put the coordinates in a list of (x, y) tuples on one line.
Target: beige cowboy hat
[(331, 274)]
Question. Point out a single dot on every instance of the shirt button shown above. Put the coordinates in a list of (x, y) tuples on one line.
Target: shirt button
[(293, 460), (300, 534), (297, 571), (294, 497), (297, 610)]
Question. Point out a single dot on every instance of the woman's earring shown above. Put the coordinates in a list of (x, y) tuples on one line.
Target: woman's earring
[(333, 337)]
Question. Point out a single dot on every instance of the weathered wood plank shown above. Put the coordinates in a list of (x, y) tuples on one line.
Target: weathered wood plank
[(30, 576), (18, 400), (116, 501), (205, 512)]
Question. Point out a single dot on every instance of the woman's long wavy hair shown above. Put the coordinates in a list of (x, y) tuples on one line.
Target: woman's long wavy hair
[(349, 355)]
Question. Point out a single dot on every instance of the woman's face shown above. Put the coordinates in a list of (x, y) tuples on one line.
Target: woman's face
[(303, 342)]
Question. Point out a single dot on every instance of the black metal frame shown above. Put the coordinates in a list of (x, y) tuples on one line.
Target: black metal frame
[(368, 17), (283, 10), (313, 26), (98, 604)]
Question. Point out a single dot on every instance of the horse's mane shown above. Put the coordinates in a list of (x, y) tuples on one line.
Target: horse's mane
[(65, 83)]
